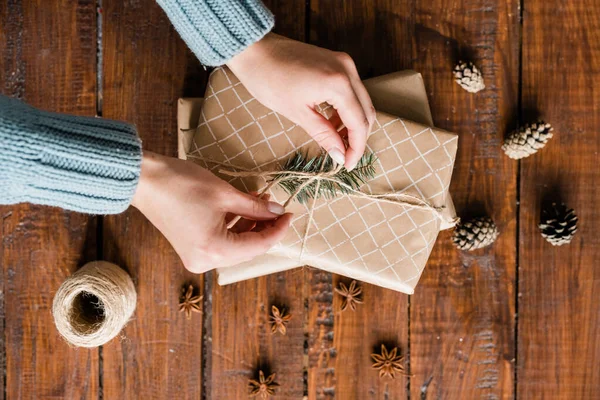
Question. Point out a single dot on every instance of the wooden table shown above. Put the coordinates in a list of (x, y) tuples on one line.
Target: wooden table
[(520, 319)]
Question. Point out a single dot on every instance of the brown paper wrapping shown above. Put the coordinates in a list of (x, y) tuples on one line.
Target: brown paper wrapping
[(400, 93), (366, 239)]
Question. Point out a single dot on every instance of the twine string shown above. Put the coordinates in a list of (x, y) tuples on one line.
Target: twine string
[(403, 199), (312, 206)]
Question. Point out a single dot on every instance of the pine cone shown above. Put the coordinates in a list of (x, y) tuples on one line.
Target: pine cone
[(475, 234), (469, 77), (558, 224), (527, 140)]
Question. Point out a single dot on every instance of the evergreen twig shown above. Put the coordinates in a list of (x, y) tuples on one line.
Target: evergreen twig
[(340, 183)]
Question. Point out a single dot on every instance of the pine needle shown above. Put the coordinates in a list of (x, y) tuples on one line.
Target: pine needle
[(341, 182)]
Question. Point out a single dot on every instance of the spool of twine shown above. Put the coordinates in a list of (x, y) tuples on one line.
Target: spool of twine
[(93, 305)]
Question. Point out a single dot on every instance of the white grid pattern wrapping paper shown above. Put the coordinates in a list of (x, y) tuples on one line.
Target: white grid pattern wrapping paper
[(366, 239)]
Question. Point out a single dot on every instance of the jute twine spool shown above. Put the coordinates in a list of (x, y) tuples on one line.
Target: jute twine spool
[(94, 304)]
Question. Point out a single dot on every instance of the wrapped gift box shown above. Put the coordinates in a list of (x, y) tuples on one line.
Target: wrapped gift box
[(378, 242)]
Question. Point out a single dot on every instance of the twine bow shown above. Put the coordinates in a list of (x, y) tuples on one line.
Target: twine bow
[(403, 199)]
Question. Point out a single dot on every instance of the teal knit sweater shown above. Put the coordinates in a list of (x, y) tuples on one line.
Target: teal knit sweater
[(92, 165)]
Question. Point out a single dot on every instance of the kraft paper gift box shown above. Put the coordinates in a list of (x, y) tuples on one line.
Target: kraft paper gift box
[(380, 242)]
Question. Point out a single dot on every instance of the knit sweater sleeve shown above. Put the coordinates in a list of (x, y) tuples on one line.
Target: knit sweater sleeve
[(83, 164), (217, 30)]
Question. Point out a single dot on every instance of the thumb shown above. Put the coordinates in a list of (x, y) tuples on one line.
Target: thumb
[(324, 133), (248, 245), (251, 207)]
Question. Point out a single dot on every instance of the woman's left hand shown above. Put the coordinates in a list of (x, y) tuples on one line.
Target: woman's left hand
[(292, 78)]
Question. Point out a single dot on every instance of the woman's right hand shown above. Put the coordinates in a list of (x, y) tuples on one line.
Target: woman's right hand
[(191, 207)]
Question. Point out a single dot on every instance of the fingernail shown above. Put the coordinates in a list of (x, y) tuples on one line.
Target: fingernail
[(275, 208), (350, 167), (337, 156)]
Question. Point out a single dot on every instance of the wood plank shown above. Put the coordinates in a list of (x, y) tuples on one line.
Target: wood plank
[(321, 350), (239, 340), (377, 34), (47, 58), (146, 66), (559, 288), (462, 314)]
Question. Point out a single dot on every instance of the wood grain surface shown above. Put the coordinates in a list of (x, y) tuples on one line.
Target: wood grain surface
[(48, 58), (146, 66), (559, 287), (476, 328), (463, 312)]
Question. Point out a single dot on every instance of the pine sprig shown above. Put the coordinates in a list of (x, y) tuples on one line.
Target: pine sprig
[(341, 182)]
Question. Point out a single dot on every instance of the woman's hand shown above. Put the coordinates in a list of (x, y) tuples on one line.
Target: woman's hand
[(292, 78), (191, 207)]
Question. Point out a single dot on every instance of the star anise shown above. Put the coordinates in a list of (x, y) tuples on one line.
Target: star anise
[(388, 363), (279, 320), (350, 294), (262, 387), (190, 303)]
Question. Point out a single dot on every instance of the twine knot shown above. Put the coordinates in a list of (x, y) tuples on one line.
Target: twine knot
[(278, 176)]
